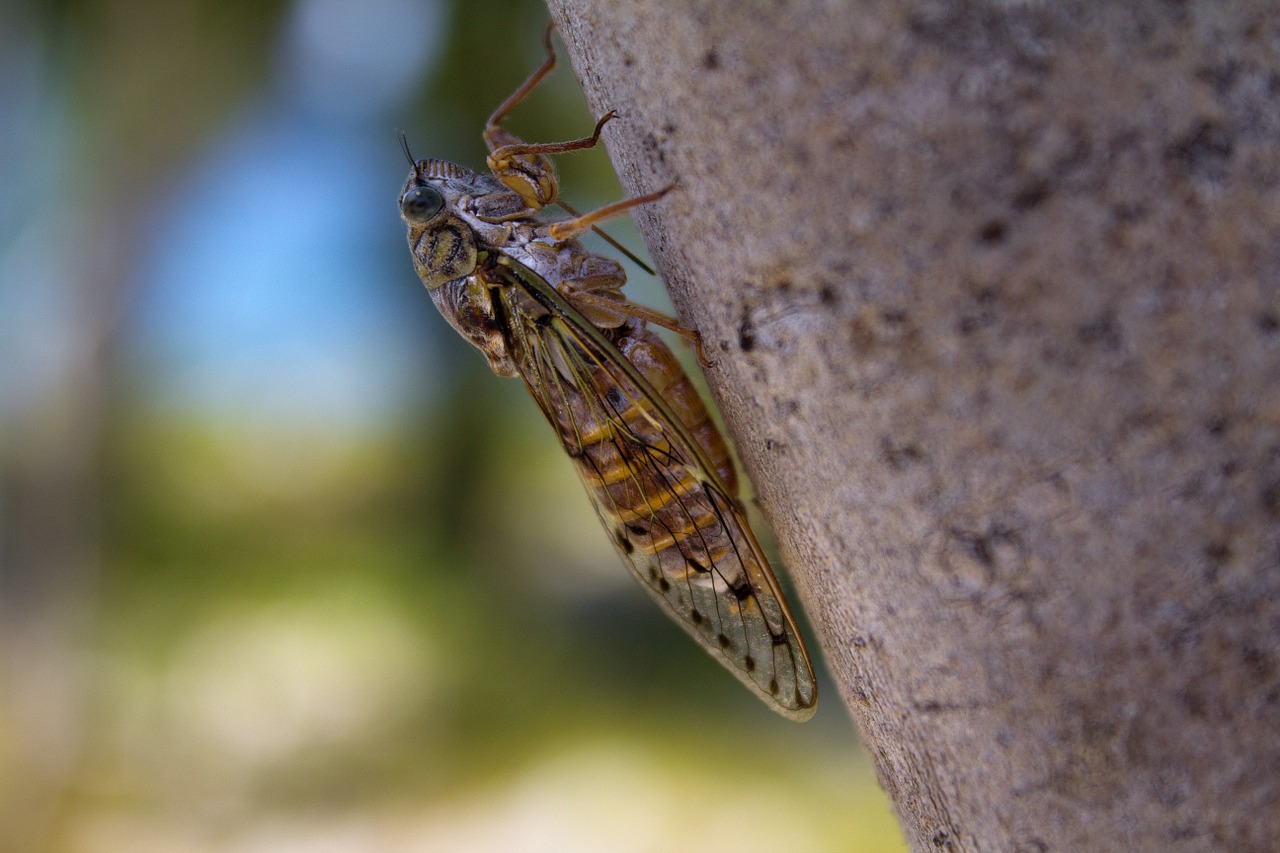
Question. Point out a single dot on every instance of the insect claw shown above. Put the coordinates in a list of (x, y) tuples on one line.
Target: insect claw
[(699, 351)]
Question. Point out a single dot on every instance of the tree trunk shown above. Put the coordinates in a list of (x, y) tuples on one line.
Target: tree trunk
[(991, 294)]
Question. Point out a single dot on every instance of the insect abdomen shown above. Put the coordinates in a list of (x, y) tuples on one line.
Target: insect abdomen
[(658, 508), (655, 361)]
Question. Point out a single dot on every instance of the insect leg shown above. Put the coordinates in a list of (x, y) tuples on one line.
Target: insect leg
[(494, 134), (525, 168), (498, 159), (532, 175), (576, 227), (691, 335), (608, 239), (590, 303)]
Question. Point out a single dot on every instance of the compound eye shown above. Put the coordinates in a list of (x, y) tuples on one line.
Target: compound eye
[(420, 204)]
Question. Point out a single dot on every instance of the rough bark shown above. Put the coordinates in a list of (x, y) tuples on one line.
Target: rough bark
[(993, 297)]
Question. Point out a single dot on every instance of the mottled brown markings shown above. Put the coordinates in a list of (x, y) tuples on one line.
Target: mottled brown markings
[(447, 258), (623, 542), (654, 464), (992, 232), (500, 207), (621, 472), (617, 400), (525, 168)]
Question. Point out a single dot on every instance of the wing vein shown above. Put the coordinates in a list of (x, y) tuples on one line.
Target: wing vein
[(674, 523)]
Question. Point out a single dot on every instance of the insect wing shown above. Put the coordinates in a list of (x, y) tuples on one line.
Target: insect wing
[(671, 519)]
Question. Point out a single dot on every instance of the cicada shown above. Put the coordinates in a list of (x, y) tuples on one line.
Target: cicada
[(543, 308)]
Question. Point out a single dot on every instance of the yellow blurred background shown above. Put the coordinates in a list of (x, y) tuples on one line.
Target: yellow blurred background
[(283, 567)]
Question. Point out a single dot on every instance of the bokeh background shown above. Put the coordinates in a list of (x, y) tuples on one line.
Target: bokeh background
[(284, 567)]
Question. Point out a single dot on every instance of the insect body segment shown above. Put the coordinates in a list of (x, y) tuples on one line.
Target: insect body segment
[(543, 308)]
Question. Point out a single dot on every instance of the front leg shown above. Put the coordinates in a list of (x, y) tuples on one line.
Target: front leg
[(524, 166), (495, 136)]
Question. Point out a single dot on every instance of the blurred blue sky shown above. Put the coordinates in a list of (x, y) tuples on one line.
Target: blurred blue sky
[(268, 285), (268, 281)]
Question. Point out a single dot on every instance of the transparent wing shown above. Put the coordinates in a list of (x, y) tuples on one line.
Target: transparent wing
[(671, 519)]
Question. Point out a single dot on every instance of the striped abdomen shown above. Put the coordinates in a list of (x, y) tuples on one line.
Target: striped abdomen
[(659, 504)]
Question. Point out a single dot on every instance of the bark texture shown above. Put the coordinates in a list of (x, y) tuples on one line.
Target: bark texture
[(993, 297)]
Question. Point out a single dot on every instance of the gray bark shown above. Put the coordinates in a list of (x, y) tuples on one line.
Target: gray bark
[(992, 295)]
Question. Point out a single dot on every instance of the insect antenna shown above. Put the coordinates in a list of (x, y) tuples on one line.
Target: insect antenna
[(404, 146), (612, 242)]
